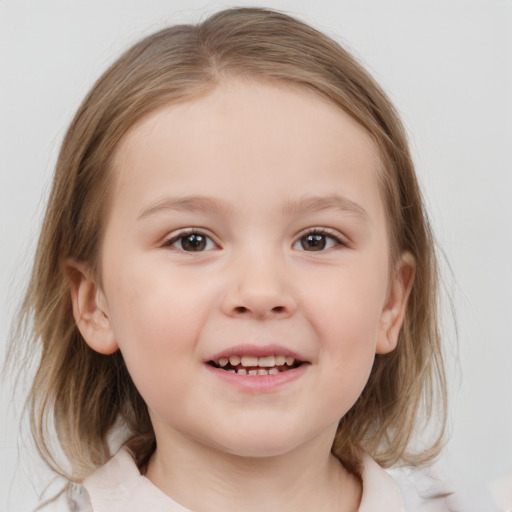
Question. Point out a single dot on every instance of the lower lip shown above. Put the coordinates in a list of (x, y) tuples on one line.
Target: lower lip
[(259, 383)]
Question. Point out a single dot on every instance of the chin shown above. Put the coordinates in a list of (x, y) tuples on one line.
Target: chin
[(259, 443)]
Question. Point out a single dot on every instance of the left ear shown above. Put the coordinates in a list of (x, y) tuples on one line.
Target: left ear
[(393, 312)]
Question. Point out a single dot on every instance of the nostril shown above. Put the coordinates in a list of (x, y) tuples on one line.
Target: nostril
[(243, 309)]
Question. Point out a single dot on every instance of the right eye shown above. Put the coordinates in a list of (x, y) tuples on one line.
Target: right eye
[(192, 241)]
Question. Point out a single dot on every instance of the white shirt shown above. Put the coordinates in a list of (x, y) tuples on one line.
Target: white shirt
[(118, 486)]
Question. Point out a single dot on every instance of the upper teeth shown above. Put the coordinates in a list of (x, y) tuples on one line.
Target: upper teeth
[(264, 361)]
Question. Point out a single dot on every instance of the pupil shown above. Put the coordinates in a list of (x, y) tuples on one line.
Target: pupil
[(313, 242), (193, 242)]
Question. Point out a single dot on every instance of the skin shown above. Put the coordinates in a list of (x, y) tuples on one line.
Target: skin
[(268, 164)]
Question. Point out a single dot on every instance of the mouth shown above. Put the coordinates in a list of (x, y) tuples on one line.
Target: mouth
[(255, 366)]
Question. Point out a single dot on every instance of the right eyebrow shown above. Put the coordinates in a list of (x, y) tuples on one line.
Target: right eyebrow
[(187, 204)]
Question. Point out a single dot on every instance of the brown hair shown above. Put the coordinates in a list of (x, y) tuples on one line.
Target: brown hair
[(83, 395)]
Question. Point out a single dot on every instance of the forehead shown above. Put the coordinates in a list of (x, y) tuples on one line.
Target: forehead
[(245, 138)]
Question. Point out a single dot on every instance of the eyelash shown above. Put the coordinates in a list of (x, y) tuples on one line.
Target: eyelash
[(318, 232)]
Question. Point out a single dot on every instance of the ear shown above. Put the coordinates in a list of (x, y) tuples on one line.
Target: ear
[(393, 313), (90, 309)]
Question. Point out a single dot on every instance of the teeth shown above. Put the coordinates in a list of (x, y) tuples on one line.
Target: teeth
[(267, 361), (270, 362), (234, 360), (253, 372), (242, 371), (262, 372), (280, 360), (249, 361), (273, 371)]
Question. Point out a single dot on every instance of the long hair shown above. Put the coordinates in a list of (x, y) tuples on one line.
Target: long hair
[(81, 395)]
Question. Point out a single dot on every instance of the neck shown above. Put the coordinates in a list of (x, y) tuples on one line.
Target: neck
[(203, 478)]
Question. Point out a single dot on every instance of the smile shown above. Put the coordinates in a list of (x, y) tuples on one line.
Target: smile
[(254, 366)]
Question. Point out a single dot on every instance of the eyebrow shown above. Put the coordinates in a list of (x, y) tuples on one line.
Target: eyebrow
[(216, 206), (321, 203), (187, 204)]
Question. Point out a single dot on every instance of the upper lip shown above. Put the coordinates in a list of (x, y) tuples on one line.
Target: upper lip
[(256, 351)]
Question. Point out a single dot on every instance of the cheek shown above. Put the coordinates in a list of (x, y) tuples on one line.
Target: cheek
[(348, 351), (346, 317), (150, 304), (347, 308), (157, 325)]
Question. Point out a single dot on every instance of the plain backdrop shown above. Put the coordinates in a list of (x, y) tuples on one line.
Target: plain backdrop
[(446, 64)]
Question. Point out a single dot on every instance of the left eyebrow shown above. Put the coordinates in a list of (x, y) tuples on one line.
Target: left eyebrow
[(320, 203)]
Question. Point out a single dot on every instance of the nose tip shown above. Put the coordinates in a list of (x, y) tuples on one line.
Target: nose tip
[(260, 295)]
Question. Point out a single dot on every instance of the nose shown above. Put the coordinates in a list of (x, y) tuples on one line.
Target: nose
[(259, 288)]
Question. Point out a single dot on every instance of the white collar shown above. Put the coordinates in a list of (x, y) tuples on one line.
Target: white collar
[(380, 491), (118, 486)]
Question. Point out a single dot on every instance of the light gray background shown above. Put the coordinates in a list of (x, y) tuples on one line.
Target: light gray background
[(446, 64)]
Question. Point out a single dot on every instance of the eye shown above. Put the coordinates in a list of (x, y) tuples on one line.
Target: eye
[(316, 240), (192, 241)]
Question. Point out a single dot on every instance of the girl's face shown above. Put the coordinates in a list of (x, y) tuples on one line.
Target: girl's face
[(247, 235)]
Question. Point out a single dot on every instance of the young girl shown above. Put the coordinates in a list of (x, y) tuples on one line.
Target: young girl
[(234, 291)]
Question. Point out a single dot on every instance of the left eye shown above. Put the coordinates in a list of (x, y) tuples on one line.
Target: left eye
[(192, 242), (316, 241)]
